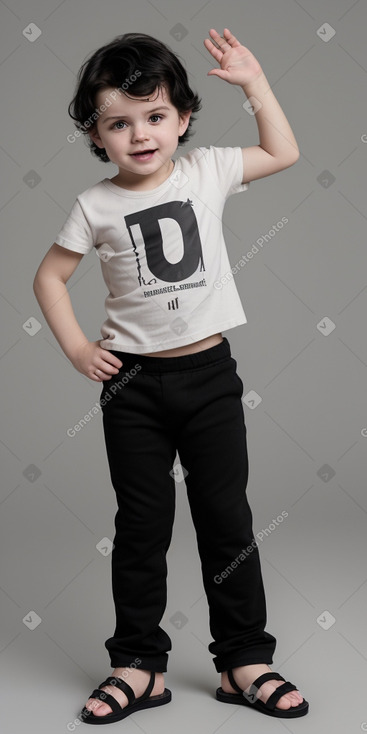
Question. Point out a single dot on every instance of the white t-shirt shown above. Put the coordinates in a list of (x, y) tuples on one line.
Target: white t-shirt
[(162, 253)]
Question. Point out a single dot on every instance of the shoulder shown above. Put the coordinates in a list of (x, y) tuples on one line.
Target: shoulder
[(194, 156), (212, 155), (216, 167), (93, 192)]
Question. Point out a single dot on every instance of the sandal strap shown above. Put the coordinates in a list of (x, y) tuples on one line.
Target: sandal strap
[(106, 698), (149, 687), (233, 682), (271, 675), (280, 691), (121, 684), (252, 693), (273, 699), (256, 684)]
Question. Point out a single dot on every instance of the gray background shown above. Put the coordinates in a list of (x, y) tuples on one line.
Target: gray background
[(307, 437)]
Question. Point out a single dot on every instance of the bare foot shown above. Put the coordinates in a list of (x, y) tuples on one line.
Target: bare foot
[(245, 676), (136, 678)]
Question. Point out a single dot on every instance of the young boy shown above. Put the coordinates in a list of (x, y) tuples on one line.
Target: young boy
[(169, 380)]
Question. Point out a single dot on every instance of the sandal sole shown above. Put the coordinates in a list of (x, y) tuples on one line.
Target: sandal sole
[(237, 698), (88, 717)]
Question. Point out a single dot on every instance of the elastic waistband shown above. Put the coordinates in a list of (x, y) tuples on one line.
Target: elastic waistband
[(173, 364)]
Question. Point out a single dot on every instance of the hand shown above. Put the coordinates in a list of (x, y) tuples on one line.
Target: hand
[(238, 64), (95, 362)]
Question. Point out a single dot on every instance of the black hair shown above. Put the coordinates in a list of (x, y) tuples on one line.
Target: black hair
[(136, 63)]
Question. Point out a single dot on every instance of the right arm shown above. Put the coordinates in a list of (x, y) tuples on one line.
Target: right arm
[(49, 287)]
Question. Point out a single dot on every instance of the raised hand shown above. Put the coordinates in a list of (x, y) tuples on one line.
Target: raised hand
[(237, 64)]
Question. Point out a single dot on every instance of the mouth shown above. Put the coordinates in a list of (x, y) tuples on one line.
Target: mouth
[(144, 155)]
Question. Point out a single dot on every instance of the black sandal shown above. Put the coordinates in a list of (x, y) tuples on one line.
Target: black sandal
[(250, 699), (135, 704)]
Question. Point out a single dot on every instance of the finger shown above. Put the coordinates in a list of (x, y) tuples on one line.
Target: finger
[(106, 368), (108, 358), (95, 378), (232, 40), (211, 44), (100, 375), (222, 41), (107, 365), (217, 38), (222, 73), (107, 355), (216, 52)]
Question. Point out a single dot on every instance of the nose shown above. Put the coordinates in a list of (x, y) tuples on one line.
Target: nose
[(140, 132)]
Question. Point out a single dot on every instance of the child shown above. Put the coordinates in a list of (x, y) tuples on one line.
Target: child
[(169, 379)]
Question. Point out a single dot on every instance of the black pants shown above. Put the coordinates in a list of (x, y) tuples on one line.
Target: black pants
[(152, 407)]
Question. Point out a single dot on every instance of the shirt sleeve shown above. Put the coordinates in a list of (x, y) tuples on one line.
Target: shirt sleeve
[(76, 233), (226, 166)]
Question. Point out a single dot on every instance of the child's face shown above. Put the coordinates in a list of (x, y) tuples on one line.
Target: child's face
[(139, 125)]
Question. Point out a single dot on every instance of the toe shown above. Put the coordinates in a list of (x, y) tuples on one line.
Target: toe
[(92, 703), (97, 707), (284, 703), (293, 698), (297, 698), (102, 710), (289, 700)]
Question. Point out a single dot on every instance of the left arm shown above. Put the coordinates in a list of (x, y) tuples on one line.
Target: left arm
[(277, 148)]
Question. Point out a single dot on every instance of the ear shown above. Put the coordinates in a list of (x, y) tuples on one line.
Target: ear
[(94, 135), (184, 121)]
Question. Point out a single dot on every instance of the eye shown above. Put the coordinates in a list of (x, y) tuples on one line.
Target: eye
[(122, 122), (119, 122)]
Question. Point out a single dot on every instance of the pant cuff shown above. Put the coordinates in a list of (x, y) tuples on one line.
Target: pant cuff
[(244, 658), (158, 665)]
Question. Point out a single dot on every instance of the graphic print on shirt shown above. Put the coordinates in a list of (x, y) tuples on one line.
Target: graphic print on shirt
[(165, 231)]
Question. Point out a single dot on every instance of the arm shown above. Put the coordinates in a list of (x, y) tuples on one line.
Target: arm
[(278, 148), (49, 287)]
